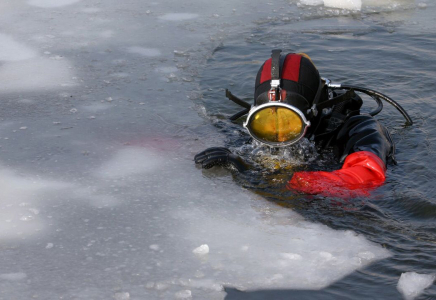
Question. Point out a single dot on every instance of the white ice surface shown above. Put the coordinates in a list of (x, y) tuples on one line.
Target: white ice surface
[(51, 3), (356, 4), (342, 4), (270, 247), (412, 284), (23, 198), (201, 250), (35, 74), (13, 276), (149, 52), (130, 162), (19, 207), (312, 2), (246, 242), (345, 4), (12, 50), (178, 17), (23, 70)]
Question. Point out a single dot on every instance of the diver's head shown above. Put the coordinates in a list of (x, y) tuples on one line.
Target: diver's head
[(286, 89)]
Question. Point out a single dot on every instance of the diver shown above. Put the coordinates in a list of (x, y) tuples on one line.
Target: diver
[(292, 101)]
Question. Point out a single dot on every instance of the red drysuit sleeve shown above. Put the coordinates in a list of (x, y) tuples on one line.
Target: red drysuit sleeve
[(361, 171)]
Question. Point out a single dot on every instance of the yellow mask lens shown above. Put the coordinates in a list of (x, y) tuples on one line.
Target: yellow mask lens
[(276, 124)]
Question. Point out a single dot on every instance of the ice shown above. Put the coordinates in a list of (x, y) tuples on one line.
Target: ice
[(160, 286), (96, 107), (312, 2), (13, 276), (412, 284), (107, 34), (51, 3), (344, 4), (130, 162), (185, 294), (203, 284), (178, 16), (201, 250), (154, 247), (122, 296), (35, 74), (5, 6), (291, 256), (301, 252), (12, 50), (166, 69), (18, 197), (148, 52), (91, 10), (21, 202), (355, 5)]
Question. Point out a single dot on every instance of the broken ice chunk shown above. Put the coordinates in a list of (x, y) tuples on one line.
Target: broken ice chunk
[(185, 294), (154, 247), (202, 250), (344, 4), (122, 296), (412, 284)]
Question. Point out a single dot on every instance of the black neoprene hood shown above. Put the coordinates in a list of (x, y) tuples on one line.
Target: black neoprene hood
[(299, 78)]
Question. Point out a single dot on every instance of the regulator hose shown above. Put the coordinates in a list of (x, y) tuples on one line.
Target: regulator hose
[(376, 96)]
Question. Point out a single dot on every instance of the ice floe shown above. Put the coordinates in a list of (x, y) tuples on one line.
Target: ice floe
[(412, 284)]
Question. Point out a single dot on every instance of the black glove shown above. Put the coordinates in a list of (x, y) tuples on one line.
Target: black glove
[(219, 156)]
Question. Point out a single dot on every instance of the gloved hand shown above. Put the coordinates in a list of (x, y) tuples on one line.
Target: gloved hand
[(220, 156), (361, 171)]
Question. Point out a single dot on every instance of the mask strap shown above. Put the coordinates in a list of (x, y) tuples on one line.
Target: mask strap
[(275, 75)]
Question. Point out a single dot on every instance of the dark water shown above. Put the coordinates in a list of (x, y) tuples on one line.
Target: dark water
[(390, 51)]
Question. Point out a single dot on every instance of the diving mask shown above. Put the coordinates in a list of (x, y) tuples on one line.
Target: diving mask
[(276, 123)]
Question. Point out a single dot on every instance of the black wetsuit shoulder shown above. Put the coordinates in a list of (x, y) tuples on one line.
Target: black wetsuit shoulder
[(364, 133), (348, 131)]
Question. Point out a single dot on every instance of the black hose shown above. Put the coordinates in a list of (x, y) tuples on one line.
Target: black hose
[(237, 100), (239, 114), (379, 107), (376, 96)]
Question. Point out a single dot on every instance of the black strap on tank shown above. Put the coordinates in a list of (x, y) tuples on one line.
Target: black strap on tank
[(329, 103), (275, 64), (275, 71), (336, 100)]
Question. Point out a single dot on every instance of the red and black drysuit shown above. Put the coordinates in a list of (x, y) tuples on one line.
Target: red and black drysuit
[(359, 140)]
